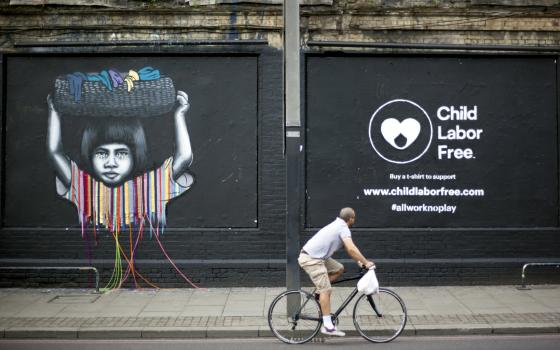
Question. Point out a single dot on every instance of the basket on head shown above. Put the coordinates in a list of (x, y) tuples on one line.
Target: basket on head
[(148, 98)]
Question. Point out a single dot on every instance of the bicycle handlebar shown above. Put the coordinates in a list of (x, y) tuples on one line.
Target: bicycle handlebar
[(364, 268)]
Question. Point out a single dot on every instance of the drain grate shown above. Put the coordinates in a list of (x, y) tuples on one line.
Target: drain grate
[(74, 299)]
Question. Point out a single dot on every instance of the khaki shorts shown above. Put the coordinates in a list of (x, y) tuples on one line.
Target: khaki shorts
[(319, 270)]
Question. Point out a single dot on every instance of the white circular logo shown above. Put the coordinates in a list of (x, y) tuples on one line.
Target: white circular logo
[(400, 131)]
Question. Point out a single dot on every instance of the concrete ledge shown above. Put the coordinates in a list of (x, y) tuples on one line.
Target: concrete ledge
[(456, 329), (409, 330), (523, 328), (264, 331), (41, 333), (261, 331), (350, 332), (175, 332), (232, 332), (109, 333)]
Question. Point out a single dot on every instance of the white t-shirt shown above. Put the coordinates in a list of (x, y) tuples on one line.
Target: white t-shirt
[(328, 240)]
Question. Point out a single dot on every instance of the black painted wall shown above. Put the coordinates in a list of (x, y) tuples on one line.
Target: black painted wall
[(236, 125), (514, 160), (226, 230)]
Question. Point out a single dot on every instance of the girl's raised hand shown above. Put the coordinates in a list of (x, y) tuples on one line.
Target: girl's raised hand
[(183, 100)]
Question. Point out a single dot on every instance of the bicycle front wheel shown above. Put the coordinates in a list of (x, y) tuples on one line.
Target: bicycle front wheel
[(380, 317), (294, 317)]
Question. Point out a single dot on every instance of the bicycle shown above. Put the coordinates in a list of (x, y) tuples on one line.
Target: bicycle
[(295, 316)]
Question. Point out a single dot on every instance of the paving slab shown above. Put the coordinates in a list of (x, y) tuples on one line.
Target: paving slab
[(452, 329), (41, 310), (165, 305), (207, 300), (247, 293), (10, 310), (119, 311), (241, 312), (160, 314), (245, 308), (128, 301), (82, 310), (202, 310)]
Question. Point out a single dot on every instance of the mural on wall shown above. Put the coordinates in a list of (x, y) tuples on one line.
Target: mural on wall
[(111, 185), (111, 170)]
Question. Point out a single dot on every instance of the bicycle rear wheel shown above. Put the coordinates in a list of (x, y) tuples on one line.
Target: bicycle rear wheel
[(294, 317), (380, 317)]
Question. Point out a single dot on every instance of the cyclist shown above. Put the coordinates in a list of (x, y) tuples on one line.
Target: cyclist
[(315, 259)]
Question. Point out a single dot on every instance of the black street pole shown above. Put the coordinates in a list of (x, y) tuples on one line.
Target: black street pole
[(293, 139)]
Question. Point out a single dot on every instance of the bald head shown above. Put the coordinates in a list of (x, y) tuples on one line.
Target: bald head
[(347, 214)]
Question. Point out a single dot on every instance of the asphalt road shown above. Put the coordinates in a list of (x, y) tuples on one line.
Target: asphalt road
[(540, 342)]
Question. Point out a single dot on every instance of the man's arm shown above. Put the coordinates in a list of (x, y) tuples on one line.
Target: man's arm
[(355, 253)]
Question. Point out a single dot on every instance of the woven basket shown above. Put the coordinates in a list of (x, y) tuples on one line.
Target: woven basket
[(148, 98)]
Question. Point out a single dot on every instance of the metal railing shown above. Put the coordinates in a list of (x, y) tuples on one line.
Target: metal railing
[(80, 268), (523, 274)]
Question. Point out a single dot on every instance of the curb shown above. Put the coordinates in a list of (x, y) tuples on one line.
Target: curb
[(40, 333), (110, 333), (257, 332), (537, 328), (175, 333)]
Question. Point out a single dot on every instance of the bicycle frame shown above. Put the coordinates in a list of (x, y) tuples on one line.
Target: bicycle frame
[(349, 298), (347, 301)]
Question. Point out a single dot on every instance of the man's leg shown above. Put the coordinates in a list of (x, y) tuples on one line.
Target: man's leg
[(319, 274), (334, 271), (333, 276), (325, 297), (328, 326), (325, 302)]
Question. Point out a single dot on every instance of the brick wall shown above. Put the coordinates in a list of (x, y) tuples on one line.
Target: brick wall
[(169, 27), (458, 22)]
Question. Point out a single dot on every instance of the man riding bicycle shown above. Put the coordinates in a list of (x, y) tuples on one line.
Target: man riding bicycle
[(315, 259)]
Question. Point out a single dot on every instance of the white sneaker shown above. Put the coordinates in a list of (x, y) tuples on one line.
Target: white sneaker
[(332, 331)]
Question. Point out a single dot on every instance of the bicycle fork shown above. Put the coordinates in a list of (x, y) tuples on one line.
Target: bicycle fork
[(373, 305)]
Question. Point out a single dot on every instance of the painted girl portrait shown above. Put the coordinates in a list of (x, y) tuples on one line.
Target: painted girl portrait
[(114, 187), (111, 184)]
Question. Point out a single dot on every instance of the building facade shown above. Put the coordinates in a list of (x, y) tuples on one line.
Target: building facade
[(437, 121)]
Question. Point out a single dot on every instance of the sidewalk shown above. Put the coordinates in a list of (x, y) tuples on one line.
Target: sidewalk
[(241, 312)]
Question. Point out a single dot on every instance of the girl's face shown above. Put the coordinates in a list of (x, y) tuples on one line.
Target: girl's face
[(112, 163)]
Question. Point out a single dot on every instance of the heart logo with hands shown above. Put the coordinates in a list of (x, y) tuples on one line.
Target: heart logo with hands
[(400, 131), (392, 129)]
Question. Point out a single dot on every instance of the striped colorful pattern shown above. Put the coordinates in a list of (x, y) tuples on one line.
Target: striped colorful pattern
[(144, 197)]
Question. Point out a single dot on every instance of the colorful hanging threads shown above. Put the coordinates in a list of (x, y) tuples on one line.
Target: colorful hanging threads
[(145, 196), (126, 208)]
